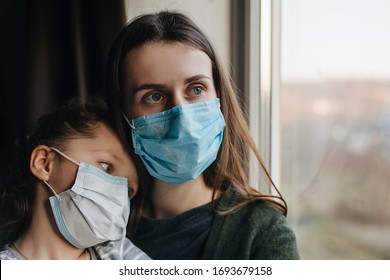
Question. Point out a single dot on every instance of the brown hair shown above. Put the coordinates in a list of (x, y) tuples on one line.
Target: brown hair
[(230, 169)]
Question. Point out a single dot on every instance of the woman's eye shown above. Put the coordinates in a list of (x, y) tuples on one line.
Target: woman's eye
[(196, 91), (106, 166), (154, 97)]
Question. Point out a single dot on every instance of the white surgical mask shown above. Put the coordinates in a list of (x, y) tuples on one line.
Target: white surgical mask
[(96, 209)]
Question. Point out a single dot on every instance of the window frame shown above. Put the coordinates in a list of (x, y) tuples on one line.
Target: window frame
[(258, 78)]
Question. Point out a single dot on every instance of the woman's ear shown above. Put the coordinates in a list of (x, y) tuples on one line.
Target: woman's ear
[(41, 162), (131, 192)]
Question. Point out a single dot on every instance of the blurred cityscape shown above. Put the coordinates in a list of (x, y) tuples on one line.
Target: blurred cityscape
[(335, 138)]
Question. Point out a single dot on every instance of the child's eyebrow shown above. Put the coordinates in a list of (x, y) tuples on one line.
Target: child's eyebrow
[(107, 151)]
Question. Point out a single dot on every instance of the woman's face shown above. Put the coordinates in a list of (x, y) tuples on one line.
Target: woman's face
[(104, 150), (162, 75)]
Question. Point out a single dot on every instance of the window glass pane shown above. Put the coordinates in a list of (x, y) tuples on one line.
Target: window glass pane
[(335, 126)]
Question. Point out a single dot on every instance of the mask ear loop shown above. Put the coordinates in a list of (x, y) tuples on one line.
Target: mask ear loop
[(131, 192), (68, 158), (128, 122), (52, 190), (65, 156)]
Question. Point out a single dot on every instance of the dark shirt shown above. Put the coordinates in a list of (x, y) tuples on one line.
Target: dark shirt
[(176, 238)]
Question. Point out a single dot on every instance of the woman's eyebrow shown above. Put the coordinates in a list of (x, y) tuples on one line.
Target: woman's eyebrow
[(196, 78), (148, 86), (162, 87)]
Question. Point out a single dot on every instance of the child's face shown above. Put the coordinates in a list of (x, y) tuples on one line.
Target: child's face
[(159, 76), (104, 151)]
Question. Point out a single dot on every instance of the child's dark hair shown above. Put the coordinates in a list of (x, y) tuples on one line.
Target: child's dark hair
[(17, 192)]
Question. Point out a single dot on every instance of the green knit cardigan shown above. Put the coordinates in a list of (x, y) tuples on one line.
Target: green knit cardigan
[(256, 231)]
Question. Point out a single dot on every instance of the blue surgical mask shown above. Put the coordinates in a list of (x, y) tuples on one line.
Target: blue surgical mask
[(177, 145), (96, 209)]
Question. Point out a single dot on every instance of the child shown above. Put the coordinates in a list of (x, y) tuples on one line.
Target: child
[(68, 197)]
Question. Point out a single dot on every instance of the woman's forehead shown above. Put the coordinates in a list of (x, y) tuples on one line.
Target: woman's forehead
[(163, 60)]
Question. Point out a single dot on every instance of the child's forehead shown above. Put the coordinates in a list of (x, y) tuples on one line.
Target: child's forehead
[(101, 139)]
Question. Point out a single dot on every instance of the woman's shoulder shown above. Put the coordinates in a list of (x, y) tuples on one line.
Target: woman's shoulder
[(255, 214), (264, 210), (264, 234), (257, 210)]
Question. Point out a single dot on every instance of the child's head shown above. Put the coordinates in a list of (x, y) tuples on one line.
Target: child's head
[(84, 134)]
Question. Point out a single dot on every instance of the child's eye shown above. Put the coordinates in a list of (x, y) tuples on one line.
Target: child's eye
[(107, 167)]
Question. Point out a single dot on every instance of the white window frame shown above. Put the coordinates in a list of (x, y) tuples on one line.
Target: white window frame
[(262, 83)]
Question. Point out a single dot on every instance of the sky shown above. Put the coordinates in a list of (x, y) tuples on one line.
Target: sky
[(335, 39)]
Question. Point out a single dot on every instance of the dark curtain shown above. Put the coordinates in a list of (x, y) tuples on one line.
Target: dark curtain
[(50, 51)]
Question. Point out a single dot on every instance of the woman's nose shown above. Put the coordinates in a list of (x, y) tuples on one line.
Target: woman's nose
[(177, 99)]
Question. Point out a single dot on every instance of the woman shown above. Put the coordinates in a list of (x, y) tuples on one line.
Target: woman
[(68, 195), (190, 134)]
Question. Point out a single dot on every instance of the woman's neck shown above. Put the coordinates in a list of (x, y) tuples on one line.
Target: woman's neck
[(168, 200), (43, 241)]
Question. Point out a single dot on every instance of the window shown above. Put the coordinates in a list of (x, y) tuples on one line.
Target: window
[(335, 126)]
